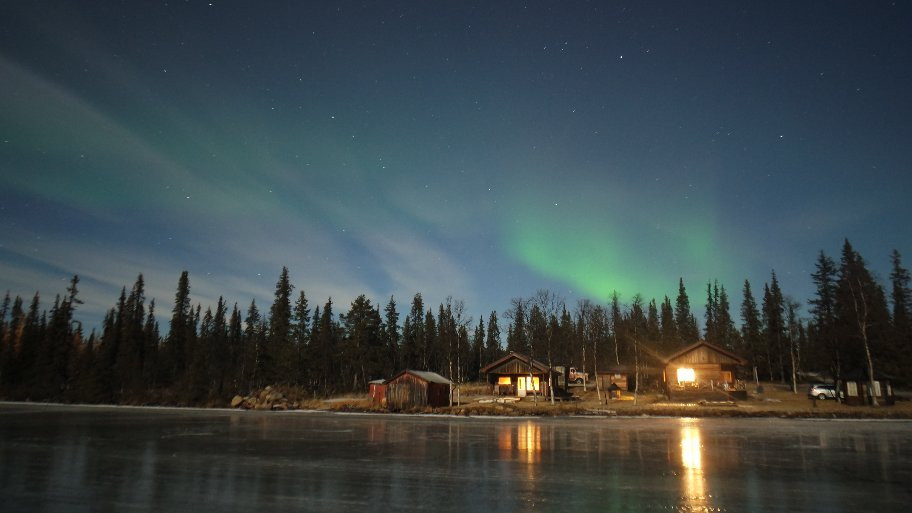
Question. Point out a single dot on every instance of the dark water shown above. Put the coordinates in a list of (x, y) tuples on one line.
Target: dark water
[(72, 459)]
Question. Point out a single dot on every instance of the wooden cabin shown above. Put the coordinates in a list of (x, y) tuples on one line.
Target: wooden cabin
[(703, 371), (416, 389), (518, 375)]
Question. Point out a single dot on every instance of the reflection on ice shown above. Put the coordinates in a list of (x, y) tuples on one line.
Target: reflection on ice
[(522, 441), (693, 481), (74, 460)]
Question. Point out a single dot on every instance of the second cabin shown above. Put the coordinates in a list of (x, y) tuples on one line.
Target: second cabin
[(517, 375)]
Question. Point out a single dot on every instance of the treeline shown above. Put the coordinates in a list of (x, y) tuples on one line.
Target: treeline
[(208, 356)]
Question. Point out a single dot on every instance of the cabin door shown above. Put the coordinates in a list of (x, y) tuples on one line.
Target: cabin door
[(521, 386)]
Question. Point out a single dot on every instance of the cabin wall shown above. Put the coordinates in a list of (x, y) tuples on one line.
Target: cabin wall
[(407, 391), (703, 355)]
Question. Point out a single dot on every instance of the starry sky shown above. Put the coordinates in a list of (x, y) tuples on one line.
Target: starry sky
[(479, 150)]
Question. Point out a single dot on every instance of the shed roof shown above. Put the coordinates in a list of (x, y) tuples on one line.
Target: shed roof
[(702, 343), (430, 377), (513, 355)]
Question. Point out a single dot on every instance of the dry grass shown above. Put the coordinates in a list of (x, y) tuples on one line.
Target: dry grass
[(776, 401)]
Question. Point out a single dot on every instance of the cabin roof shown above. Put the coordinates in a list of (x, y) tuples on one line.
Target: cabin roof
[(513, 355), (430, 377), (701, 343)]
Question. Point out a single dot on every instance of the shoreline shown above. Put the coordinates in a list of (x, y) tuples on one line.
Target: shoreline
[(656, 410)]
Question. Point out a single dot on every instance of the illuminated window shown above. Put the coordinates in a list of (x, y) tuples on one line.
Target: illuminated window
[(686, 375), (503, 380)]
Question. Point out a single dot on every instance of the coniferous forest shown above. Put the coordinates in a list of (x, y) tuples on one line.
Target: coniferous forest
[(206, 356)]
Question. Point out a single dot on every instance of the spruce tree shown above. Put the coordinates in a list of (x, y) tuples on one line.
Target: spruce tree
[(684, 319), (751, 330), (278, 361), (616, 327), (180, 331), (710, 330), (518, 339), (413, 335), (493, 348), (901, 297), (669, 329), (862, 316), (390, 339), (478, 352), (823, 310), (300, 337)]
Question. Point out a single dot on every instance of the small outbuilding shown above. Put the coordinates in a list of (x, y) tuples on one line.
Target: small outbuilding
[(377, 391), (518, 375), (621, 376), (856, 390), (703, 371), (415, 389)]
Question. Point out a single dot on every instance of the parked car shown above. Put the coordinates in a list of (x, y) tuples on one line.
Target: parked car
[(822, 391)]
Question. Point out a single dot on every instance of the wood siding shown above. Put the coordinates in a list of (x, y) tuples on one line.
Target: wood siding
[(514, 367), (702, 355), (409, 391)]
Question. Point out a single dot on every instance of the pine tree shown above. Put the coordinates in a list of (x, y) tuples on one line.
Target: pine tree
[(478, 352), (236, 351), (751, 335), (669, 329), (862, 316), (326, 345), (774, 328), (492, 339), (300, 336), (6, 346), (413, 335), (391, 339), (725, 325), (653, 330), (823, 309), (361, 354), (151, 339), (901, 297), (252, 347), (428, 358), (518, 337), (684, 319), (131, 345), (180, 332), (710, 329), (277, 364), (616, 327)]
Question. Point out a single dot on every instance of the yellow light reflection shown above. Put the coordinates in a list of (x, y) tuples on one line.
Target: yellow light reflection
[(528, 440), (690, 448), (686, 375), (693, 482), (522, 441)]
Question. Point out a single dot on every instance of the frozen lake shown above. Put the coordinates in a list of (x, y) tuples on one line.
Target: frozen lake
[(73, 459)]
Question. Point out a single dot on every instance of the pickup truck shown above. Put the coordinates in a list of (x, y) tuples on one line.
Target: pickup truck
[(576, 376)]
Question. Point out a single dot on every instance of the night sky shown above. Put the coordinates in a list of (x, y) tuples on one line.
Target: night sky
[(479, 150)]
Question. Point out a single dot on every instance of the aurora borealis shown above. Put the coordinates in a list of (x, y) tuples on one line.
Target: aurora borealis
[(480, 150)]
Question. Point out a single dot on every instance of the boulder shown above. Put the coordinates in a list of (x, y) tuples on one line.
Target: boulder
[(236, 401)]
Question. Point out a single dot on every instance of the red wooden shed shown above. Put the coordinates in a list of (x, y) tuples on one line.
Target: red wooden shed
[(413, 388)]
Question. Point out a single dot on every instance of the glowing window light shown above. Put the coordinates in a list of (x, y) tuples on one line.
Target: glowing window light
[(503, 380), (686, 375)]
